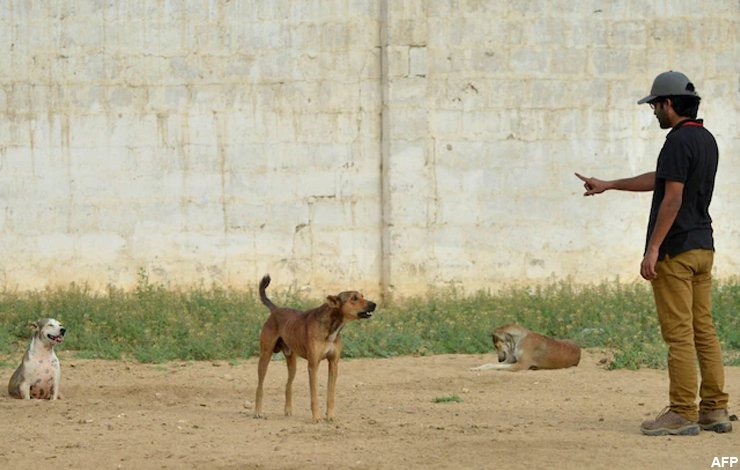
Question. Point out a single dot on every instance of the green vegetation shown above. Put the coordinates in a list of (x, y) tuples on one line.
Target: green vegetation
[(153, 324), (447, 399)]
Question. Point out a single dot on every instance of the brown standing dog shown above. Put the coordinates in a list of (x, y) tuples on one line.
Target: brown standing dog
[(313, 335), (520, 349)]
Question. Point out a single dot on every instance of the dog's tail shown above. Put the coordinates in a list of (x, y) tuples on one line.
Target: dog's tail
[(263, 296)]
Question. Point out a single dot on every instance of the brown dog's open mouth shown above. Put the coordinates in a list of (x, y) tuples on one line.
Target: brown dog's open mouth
[(369, 311)]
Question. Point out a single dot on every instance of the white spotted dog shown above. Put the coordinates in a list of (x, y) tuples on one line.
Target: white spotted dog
[(39, 374)]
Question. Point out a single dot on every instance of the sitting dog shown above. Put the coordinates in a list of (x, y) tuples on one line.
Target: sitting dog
[(312, 335), (520, 349), (39, 374)]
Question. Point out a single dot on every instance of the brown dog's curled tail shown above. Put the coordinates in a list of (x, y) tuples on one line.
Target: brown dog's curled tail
[(263, 296)]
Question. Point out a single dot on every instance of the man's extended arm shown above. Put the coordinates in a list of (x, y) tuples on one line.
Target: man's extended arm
[(643, 182)]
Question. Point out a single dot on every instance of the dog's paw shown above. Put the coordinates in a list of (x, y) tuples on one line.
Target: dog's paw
[(259, 416)]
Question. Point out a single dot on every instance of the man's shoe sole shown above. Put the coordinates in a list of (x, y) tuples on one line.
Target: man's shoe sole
[(689, 430), (717, 427)]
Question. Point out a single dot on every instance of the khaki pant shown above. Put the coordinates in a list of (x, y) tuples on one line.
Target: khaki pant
[(683, 299)]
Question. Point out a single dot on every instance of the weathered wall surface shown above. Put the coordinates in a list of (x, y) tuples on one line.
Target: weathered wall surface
[(200, 141), (391, 146), (492, 110)]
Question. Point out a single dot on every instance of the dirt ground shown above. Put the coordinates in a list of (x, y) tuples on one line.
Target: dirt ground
[(198, 415)]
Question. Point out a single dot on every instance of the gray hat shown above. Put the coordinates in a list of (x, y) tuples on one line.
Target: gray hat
[(670, 84)]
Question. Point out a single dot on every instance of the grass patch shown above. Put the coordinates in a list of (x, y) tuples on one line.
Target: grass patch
[(153, 325), (447, 399), (6, 363)]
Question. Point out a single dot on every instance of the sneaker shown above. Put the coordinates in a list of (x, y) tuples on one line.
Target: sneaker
[(669, 423), (715, 420)]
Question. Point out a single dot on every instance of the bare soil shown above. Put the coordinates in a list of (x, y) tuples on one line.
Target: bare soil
[(198, 415)]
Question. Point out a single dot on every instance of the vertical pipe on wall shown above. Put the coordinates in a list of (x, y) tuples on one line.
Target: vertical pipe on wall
[(385, 200)]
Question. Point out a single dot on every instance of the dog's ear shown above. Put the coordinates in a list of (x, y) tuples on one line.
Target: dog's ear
[(35, 328), (334, 301), (510, 341), (500, 337)]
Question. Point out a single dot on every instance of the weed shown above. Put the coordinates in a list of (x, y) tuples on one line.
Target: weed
[(447, 399), (6, 363), (152, 324)]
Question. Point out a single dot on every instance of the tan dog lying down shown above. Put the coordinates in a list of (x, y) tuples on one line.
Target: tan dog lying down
[(520, 349)]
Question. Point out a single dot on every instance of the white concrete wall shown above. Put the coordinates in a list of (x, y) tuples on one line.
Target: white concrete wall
[(493, 105), (385, 145)]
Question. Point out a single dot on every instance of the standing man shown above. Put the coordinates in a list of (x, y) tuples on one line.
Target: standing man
[(678, 258)]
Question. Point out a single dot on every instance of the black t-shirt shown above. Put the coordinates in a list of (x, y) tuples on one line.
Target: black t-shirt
[(689, 156)]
